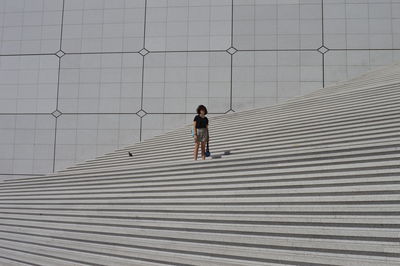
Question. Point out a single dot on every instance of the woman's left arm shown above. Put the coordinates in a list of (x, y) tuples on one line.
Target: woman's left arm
[(208, 134)]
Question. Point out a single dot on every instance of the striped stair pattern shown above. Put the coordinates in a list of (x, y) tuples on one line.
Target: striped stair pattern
[(311, 181)]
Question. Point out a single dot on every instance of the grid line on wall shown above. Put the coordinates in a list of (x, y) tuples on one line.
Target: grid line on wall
[(323, 43)]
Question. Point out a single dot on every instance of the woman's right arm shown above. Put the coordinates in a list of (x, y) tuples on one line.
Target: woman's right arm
[(195, 129)]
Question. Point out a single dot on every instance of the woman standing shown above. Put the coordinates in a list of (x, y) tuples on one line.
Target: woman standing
[(200, 124)]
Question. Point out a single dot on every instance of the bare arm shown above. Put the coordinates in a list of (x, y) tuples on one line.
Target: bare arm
[(194, 128), (208, 134)]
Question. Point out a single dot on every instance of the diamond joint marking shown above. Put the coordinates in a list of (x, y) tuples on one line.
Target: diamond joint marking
[(231, 50), (60, 54), (56, 113), (144, 51), (141, 113), (323, 49)]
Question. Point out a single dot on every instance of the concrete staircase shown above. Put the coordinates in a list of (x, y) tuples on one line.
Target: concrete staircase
[(312, 181)]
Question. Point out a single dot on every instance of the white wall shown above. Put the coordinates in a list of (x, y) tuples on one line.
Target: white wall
[(79, 78)]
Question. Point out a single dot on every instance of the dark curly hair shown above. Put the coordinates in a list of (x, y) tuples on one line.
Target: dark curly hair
[(201, 107)]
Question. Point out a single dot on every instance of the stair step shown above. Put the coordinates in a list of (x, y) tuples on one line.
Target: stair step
[(211, 248)]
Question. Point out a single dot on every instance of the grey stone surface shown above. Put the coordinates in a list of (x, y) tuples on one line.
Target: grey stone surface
[(311, 181)]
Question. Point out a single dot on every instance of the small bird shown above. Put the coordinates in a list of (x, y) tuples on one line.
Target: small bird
[(130, 154)]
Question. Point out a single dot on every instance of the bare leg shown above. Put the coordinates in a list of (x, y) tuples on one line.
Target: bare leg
[(196, 150), (203, 150)]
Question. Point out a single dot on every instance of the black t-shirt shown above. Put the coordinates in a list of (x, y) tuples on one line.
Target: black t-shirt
[(200, 122)]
